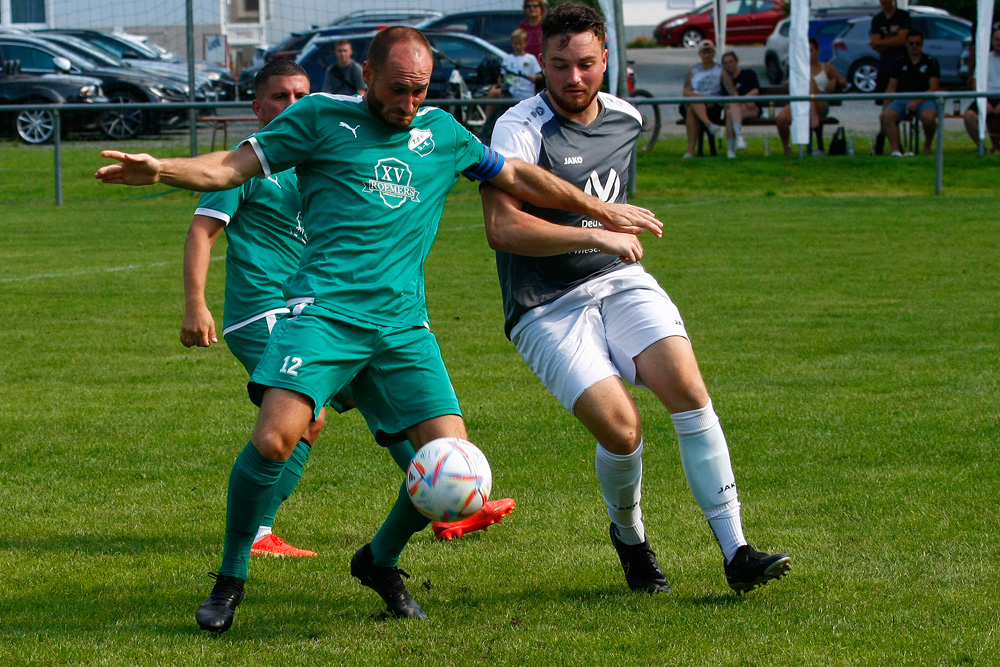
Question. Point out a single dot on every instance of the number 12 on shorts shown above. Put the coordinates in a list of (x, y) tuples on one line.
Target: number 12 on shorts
[(291, 365)]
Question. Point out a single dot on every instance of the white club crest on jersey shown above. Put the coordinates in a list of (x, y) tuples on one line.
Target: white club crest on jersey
[(607, 191), (392, 182), (421, 142)]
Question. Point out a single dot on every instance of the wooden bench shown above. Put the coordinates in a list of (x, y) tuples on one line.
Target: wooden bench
[(224, 122)]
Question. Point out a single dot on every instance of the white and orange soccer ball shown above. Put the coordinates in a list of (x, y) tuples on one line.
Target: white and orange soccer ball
[(449, 479)]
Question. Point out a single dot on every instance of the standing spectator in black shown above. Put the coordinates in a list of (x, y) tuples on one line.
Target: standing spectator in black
[(344, 76), (738, 83), (916, 72), (888, 39)]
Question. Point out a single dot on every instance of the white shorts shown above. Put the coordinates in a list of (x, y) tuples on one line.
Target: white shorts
[(596, 331)]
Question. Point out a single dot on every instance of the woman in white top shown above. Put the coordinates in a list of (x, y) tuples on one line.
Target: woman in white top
[(992, 103), (824, 79), (703, 80)]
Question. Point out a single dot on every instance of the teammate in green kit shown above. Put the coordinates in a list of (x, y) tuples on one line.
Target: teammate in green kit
[(373, 174), (263, 225)]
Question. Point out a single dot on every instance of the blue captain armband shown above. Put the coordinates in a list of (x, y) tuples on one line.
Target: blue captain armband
[(488, 167)]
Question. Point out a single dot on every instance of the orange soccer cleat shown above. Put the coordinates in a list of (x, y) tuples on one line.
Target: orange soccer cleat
[(493, 511), (272, 545)]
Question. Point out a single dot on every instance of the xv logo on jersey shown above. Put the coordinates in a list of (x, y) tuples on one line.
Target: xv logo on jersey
[(421, 142), (607, 191), (392, 182)]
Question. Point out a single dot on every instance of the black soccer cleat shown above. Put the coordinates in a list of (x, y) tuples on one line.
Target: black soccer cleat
[(216, 613), (642, 570), (750, 568), (387, 583)]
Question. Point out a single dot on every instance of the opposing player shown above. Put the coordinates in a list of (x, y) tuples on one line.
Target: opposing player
[(373, 174), (584, 315), (262, 222)]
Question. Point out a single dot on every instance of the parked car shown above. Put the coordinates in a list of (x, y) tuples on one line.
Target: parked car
[(446, 80), (374, 18), (37, 126), (943, 39), (217, 83), (121, 85), (490, 26), (747, 22), (824, 28)]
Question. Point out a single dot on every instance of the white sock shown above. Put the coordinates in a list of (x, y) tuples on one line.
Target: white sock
[(620, 476), (262, 531), (731, 143), (738, 128), (709, 472), (728, 529)]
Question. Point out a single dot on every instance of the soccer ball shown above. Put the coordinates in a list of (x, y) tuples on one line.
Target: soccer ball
[(449, 479)]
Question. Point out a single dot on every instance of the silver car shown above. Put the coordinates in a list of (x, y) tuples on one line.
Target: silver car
[(943, 38)]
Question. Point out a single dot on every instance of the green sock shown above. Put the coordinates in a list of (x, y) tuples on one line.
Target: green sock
[(402, 453), (251, 488), (288, 481), (403, 521)]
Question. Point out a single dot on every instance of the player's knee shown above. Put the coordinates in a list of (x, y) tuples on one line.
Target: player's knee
[(624, 434), (273, 443)]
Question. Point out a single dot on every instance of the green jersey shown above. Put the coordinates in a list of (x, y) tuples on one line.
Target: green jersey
[(372, 197), (265, 243)]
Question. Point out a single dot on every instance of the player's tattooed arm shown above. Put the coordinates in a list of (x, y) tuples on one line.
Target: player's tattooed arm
[(220, 170), (510, 229), (531, 183)]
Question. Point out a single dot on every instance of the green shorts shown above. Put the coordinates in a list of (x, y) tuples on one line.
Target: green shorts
[(249, 342), (397, 374)]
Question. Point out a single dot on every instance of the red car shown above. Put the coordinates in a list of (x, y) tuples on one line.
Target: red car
[(747, 22)]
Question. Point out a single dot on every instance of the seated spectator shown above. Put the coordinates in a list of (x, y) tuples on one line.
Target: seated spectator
[(520, 74), (971, 116), (703, 80), (344, 76), (916, 72), (738, 83), (824, 79)]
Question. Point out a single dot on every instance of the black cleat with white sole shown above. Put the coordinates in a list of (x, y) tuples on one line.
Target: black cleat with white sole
[(750, 568)]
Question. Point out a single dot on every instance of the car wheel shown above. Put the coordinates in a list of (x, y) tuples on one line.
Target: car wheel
[(774, 73), (863, 76), (122, 123), (35, 126), (691, 38)]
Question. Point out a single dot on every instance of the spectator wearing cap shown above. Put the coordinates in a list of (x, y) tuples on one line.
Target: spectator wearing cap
[(704, 79), (916, 72)]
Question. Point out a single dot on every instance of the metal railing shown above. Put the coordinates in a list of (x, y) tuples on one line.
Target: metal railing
[(940, 97)]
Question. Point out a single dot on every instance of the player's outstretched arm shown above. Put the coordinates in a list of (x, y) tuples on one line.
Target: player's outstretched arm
[(220, 170), (531, 183), (510, 229), (198, 327)]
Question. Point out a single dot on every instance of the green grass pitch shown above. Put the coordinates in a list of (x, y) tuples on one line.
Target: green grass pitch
[(846, 322)]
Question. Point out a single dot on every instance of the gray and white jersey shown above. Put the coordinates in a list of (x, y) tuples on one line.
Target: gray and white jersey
[(596, 158)]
